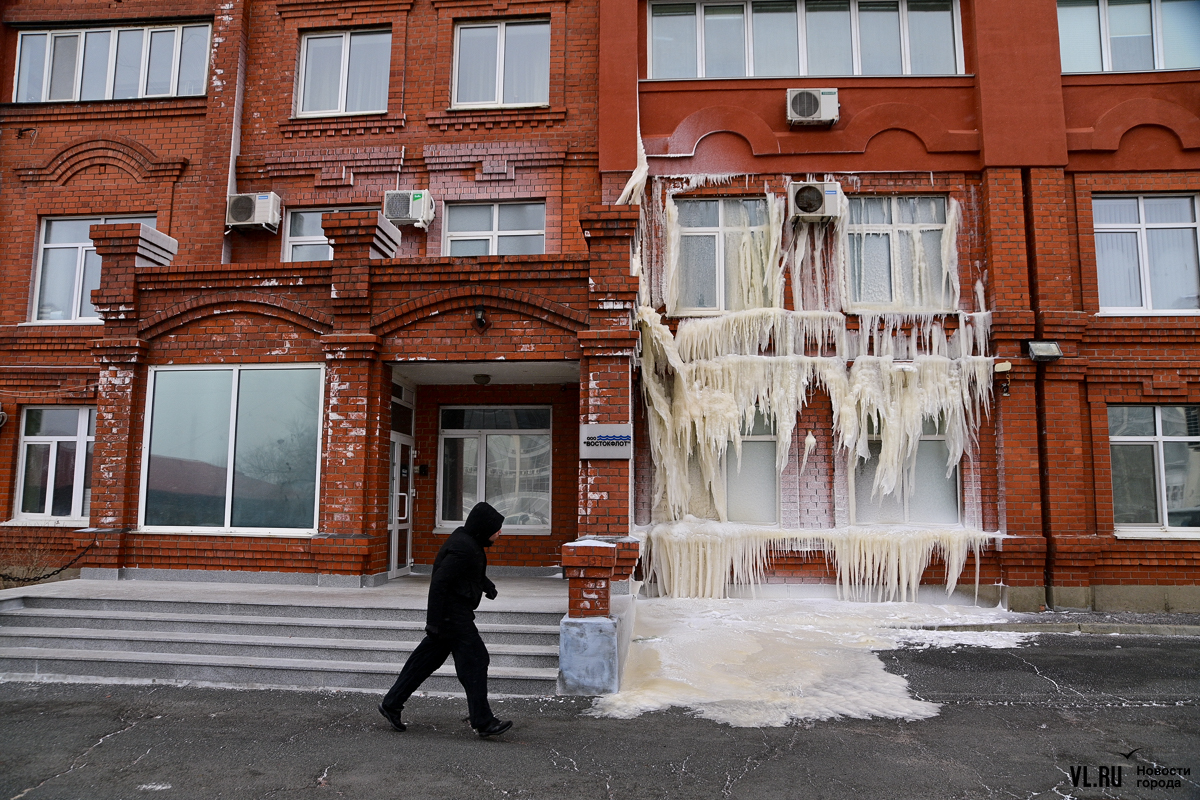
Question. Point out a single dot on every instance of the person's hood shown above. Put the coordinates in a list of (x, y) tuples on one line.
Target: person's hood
[(482, 522)]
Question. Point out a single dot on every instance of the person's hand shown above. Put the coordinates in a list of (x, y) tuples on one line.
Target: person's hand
[(491, 593), (431, 630)]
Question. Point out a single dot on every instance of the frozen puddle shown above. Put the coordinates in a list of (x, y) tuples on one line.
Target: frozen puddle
[(765, 663)]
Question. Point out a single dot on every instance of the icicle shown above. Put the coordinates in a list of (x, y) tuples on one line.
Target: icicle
[(671, 255), (636, 185), (950, 282), (810, 444)]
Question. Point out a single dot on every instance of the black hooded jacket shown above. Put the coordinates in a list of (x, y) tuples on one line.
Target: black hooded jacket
[(459, 576)]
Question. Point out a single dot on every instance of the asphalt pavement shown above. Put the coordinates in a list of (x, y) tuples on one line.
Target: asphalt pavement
[(1044, 720)]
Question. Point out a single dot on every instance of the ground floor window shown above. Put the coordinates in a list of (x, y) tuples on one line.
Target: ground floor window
[(56, 462), (752, 482), (261, 421), (500, 455), (1155, 454), (927, 494)]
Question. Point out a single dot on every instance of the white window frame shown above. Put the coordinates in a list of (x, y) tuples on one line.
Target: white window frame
[(1140, 228), (345, 74), (289, 239), (227, 529), (82, 438), (481, 435), (721, 231), (903, 488), (1156, 27), (114, 32), (891, 229), (1162, 529), (500, 41), (801, 41), (81, 256), (730, 463), (495, 233)]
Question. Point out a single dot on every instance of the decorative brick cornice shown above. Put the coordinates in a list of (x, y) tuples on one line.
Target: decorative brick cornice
[(119, 350), (488, 119), (17, 113), (342, 346), (124, 154), (346, 11), (266, 305), (525, 303), (492, 161), (331, 167), (342, 126)]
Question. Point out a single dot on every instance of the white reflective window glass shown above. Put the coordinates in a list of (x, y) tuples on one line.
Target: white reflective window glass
[(933, 496), (1117, 267), (1174, 275), (1147, 254), (1165, 210), (368, 71), (1177, 420), (1181, 478), (1133, 420), (31, 71), (160, 62), (56, 298), (931, 43), (1079, 35), (1135, 499), (69, 268), (776, 47), (55, 468), (504, 229), (698, 213), (478, 54), (828, 35), (698, 272), (673, 40), (91, 282), (879, 37), (1130, 35), (522, 216), (520, 245), (1181, 34), (724, 41), (36, 481), (517, 478), (94, 83), (751, 484), (527, 63), (322, 73), (469, 218), (470, 247), (62, 67), (1115, 211), (870, 268), (193, 60), (894, 253), (128, 67)]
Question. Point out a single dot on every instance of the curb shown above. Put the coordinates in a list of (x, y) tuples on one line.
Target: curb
[(1075, 627)]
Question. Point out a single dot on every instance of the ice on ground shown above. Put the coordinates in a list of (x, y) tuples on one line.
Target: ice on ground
[(767, 663)]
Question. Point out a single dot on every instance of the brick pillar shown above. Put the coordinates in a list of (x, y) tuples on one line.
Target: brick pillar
[(588, 566), (361, 235)]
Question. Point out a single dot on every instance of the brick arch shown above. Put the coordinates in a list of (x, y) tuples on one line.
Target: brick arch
[(524, 303), (722, 119), (131, 157), (234, 302), (907, 117), (1123, 117)]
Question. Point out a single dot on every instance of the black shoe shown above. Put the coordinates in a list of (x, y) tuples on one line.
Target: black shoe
[(394, 718), (494, 728)]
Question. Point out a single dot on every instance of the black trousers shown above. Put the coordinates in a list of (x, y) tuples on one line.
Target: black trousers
[(470, 664)]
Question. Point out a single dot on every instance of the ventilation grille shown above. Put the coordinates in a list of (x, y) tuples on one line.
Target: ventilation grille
[(806, 103), (397, 205), (241, 208)]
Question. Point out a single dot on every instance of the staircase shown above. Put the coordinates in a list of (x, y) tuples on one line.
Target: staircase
[(239, 639)]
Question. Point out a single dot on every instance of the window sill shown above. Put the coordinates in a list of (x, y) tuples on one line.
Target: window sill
[(41, 323), (1133, 312), (234, 532), (496, 117), (1184, 534), (105, 109), (46, 522), (508, 531), (342, 124)]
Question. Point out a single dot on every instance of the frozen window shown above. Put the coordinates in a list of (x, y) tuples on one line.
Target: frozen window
[(1155, 454), (304, 239), (721, 242), (263, 421), (344, 73), (56, 463), (765, 38), (495, 229), (69, 268), (928, 490), (500, 455), (1146, 253), (502, 64), (752, 482), (111, 64), (1128, 35), (894, 259)]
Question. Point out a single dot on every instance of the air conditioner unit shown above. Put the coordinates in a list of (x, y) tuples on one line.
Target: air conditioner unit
[(409, 207), (812, 106), (256, 210), (811, 202)]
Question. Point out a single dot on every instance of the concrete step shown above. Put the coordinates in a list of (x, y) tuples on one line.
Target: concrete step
[(50, 664), (322, 649), (246, 625), (535, 616)]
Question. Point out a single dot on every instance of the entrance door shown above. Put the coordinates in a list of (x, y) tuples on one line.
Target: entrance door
[(400, 506)]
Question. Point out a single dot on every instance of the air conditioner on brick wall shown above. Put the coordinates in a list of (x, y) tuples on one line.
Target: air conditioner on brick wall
[(409, 207), (812, 106), (812, 202), (257, 210)]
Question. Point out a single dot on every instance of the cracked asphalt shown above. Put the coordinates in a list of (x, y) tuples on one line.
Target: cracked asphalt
[(1016, 723)]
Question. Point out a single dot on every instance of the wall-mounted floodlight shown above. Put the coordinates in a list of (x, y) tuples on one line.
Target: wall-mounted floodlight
[(1044, 351), (1002, 370)]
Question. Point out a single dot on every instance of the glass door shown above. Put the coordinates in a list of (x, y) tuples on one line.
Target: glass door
[(400, 506)]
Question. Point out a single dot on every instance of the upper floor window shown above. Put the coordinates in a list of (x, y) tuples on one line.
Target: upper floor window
[(752, 480), (345, 73), (111, 63), (767, 38), (1146, 253), (502, 64), (718, 244), (927, 492), (1155, 454), (69, 268), (894, 253), (495, 229), (1128, 35), (56, 462), (304, 238)]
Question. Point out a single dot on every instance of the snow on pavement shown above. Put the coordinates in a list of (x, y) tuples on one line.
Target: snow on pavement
[(768, 662)]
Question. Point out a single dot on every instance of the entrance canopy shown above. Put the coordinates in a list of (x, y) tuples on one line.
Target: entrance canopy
[(498, 372)]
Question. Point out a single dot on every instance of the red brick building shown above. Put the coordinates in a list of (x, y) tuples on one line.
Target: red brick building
[(323, 394)]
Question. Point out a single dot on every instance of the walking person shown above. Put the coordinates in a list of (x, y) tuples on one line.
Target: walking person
[(458, 581)]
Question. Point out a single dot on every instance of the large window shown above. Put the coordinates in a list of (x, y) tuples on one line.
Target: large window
[(1155, 466), (304, 239), (719, 242), (766, 38), (69, 268), (1146, 253), (56, 463), (752, 482), (502, 64), (1128, 35), (111, 63), (497, 455), (261, 421), (926, 494), (894, 254), (495, 229), (345, 73)]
